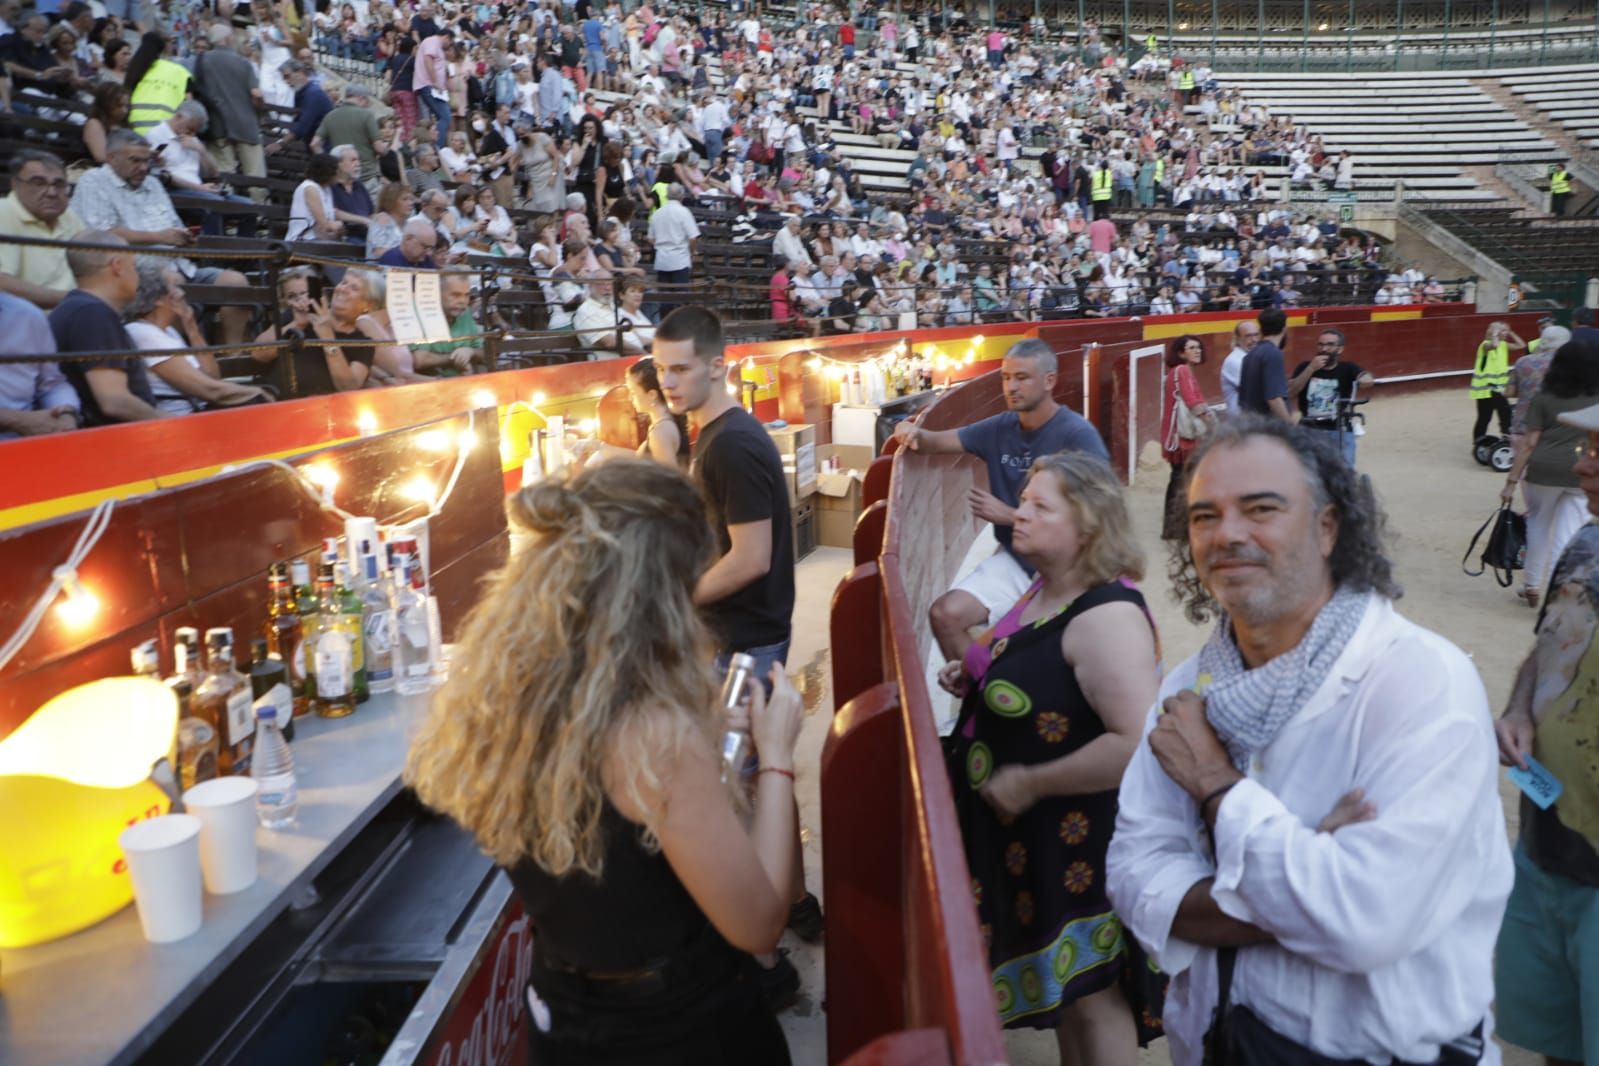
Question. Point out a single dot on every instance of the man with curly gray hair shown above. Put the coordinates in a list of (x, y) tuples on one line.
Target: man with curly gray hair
[(1310, 839)]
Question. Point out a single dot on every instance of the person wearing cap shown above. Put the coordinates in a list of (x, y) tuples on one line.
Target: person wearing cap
[(1546, 963)]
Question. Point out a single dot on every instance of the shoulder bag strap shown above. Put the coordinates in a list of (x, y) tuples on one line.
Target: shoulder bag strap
[(1216, 1043), (1473, 546)]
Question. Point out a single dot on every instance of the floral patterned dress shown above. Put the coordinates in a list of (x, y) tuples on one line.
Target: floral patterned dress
[(1039, 880)]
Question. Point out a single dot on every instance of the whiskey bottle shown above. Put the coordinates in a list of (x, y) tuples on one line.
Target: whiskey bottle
[(283, 637), (300, 677), (146, 658), (350, 611), (223, 702), (330, 651), (269, 687)]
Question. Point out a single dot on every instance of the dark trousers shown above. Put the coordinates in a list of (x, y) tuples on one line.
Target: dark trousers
[(673, 297), (1101, 208), (1487, 407), (1174, 524), (1557, 202)]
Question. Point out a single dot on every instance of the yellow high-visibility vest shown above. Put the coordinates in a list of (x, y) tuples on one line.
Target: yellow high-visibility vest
[(1160, 171), (1150, 44), (1492, 372), (1559, 180), (1102, 183), (1187, 81), (158, 94)]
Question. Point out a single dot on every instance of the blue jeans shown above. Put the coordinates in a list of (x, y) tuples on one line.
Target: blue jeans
[(440, 108), (1346, 446), (713, 144), (765, 656)]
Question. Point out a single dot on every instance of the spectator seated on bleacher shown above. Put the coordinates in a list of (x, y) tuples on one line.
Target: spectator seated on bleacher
[(161, 319), (35, 397), (124, 198), (37, 207), (463, 353), (345, 317), (113, 387), (190, 168)]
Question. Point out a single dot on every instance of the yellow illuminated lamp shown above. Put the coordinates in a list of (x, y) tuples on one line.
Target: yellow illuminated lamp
[(80, 768), (419, 489), (434, 440), (484, 398), (367, 423)]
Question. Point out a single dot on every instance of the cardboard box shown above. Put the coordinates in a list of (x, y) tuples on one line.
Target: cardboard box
[(838, 496), (797, 447)]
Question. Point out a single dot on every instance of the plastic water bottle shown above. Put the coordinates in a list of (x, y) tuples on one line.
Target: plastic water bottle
[(278, 802)]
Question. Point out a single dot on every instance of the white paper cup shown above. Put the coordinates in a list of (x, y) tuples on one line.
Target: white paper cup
[(226, 809), (164, 862)]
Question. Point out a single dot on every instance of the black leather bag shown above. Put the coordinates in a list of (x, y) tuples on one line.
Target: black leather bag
[(1506, 551)]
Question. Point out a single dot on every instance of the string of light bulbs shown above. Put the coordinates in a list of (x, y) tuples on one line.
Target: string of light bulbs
[(319, 479)]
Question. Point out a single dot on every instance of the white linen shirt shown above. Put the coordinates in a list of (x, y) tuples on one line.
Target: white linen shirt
[(1385, 929)]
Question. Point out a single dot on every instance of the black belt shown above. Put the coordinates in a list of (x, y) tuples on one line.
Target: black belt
[(707, 957)]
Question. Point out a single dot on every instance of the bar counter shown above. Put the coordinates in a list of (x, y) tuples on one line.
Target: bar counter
[(104, 995)]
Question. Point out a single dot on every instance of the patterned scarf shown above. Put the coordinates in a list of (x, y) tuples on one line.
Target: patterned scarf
[(1248, 707)]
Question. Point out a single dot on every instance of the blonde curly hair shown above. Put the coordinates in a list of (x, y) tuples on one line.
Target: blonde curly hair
[(586, 648)]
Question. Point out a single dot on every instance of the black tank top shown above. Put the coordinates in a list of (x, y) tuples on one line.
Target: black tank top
[(637, 911)]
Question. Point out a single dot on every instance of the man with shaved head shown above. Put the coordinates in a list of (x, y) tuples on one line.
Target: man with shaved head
[(418, 240)]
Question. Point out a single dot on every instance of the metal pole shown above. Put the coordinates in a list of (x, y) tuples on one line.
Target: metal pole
[(1304, 41), (1260, 34), (1349, 39), (1171, 22), (1079, 31), (1493, 32), (1543, 51), (1214, 15), (1127, 29), (1399, 38), (1443, 48)]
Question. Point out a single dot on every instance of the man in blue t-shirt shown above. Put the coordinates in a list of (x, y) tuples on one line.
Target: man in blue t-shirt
[(1033, 426), (89, 319), (1263, 379)]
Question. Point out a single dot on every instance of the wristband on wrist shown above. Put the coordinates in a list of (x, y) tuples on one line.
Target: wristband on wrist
[(776, 770), (1204, 804)]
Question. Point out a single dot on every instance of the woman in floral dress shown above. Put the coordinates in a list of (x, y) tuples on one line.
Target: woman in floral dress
[(1055, 697)]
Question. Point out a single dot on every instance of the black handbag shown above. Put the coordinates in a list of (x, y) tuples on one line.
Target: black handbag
[(1506, 551)]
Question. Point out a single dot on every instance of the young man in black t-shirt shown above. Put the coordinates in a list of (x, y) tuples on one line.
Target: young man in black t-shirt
[(1323, 381), (748, 592)]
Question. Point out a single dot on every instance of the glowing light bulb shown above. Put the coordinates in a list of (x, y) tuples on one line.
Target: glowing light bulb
[(813, 364), (484, 398), (977, 340), (588, 427), (367, 423), (433, 440), (539, 398), (835, 372), (323, 476), (419, 489), (79, 605), (971, 357), (466, 440)]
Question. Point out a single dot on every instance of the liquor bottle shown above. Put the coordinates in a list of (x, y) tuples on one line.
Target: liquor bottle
[(300, 673), (197, 741), (269, 687), (223, 702), (413, 642), (351, 612), (283, 638), (377, 625), (330, 649), (186, 661), (146, 658)]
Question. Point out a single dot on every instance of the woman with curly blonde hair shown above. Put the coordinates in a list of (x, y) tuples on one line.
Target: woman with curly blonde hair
[(577, 740)]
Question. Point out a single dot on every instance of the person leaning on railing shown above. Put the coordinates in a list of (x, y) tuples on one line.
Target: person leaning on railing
[(577, 741)]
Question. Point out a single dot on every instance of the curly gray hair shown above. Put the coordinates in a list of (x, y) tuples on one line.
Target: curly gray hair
[(1358, 561)]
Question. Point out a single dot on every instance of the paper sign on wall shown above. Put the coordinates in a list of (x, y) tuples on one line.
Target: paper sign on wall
[(430, 307), (401, 304), (416, 307)]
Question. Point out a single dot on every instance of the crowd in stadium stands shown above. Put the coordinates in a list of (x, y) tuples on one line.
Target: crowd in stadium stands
[(596, 156)]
